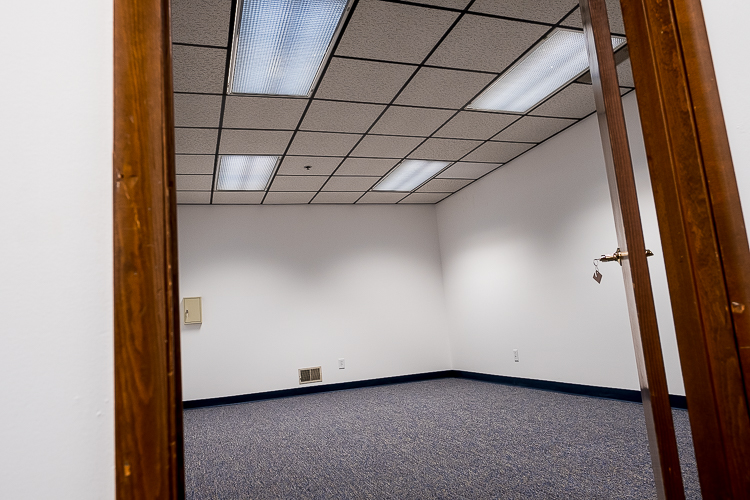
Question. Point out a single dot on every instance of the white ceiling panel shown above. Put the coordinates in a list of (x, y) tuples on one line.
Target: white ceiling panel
[(193, 198), (344, 183), (450, 4), (393, 31), (385, 146), (194, 182), (533, 129), (197, 110), (444, 149), (547, 11), (574, 101), (366, 166), (425, 197), (238, 197), (625, 73), (198, 69), (281, 198), (254, 142), (298, 182), (263, 112), (363, 81), (385, 197), (467, 170), (295, 165), (486, 43), (195, 140), (475, 125), (614, 13), (443, 88), (195, 164), (443, 185), (322, 144), (399, 120), (499, 152), (329, 197), (201, 22), (336, 116)]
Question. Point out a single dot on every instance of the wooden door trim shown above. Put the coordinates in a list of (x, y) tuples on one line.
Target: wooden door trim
[(148, 398)]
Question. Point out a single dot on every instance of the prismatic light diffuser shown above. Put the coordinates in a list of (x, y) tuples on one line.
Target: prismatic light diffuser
[(280, 45), (410, 174), (553, 63), (245, 173)]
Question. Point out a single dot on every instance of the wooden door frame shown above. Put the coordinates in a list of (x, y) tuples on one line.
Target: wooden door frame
[(702, 230)]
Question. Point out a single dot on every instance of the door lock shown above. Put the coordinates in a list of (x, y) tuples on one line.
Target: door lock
[(619, 256)]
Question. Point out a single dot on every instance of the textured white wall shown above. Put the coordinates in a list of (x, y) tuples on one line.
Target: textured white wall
[(56, 361), (726, 23), (517, 250), (288, 287)]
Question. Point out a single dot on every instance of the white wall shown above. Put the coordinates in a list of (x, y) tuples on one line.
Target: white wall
[(288, 287), (517, 250), (726, 23), (56, 348)]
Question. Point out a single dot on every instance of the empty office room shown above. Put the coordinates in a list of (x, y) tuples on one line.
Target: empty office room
[(387, 249)]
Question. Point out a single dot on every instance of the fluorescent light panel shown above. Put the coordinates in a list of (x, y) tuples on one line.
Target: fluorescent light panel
[(245, 173), (410, 174), (281, 44), (553, 63)]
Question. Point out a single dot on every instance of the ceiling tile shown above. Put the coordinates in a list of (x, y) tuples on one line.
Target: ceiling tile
[(467, 170), (366, 166), (574, 101), (399, 120), (322, 144), (625, 74), (475, 125), (297, 182), (343, 183), (197, 110), (263, 112), (533, 129), (385, 146), (195, 140), (425, 197), (443, 88), (254, 142), (193, 198), (548, 11), (194, 182), (451, 4), (443, 185), (614, 13), (329, 197), (486, 43), (384, 197), (195, 164), (393, 32), (335, 116), (500, 152), (204, 22), (281, 198), (444, 149), (295, 165), (198, 69), (364, 81), (238, 197)]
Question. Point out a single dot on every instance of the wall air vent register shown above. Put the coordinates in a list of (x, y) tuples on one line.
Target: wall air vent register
[(308, 375)]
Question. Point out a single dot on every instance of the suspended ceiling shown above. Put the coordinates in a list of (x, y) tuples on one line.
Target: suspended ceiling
[(396, 87)]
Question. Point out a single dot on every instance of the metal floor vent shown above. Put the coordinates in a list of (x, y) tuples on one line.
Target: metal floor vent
[(307, 375)]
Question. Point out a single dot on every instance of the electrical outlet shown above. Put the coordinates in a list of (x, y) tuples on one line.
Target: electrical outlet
[(341, 364), (515, 355)]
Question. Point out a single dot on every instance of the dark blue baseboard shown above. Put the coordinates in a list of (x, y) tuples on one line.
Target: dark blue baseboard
[(546, 385)]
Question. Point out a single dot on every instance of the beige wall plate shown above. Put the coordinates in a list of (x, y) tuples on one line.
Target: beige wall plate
[(192, 310)]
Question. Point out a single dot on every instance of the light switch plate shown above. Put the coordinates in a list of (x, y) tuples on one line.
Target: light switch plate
[(193, 313)]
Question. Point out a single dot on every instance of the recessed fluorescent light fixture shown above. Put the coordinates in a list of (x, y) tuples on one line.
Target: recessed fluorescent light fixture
[(410, 174), (245, 173), (553, 63), (280, 45)]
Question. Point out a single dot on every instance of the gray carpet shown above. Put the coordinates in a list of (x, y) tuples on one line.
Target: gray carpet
[(447, 438)]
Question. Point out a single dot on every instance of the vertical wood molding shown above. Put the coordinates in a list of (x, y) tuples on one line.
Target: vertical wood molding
[(148, 402), (702, 230)]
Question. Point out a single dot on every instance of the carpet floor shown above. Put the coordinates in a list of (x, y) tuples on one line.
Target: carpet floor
[(447, 438)]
